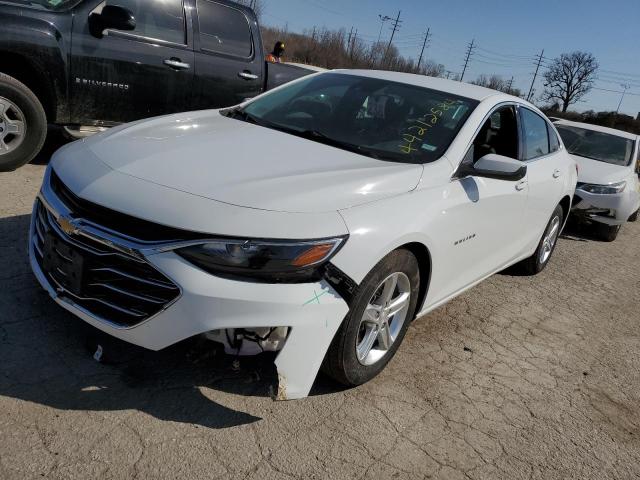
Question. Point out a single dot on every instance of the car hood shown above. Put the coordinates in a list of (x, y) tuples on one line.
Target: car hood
[(602, 173), (231, 161)]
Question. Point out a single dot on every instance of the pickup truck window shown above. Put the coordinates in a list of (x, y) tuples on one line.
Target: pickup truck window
[(224, 29), (158, 19)]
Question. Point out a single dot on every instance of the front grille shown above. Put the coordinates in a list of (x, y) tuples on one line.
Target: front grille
[(105, 282)]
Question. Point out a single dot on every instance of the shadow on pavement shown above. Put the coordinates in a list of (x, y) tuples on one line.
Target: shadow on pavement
[(55, 140), (579, 232), (46, 357)]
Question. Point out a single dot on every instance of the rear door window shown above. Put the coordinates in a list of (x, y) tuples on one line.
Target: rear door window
[(224, 29), (554, 142), (536, 136)]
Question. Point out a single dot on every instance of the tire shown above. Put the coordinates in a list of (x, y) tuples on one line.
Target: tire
[(342, 361), (23, 123), (608, 233), (634, 217), (547, 245)]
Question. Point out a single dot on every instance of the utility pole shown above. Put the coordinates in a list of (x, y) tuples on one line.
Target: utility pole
[(383, 19), (396, 25), (466, 60), (353, 43), (510, 85), (448, 72), (424, 45), (625, 87), (535, 75)]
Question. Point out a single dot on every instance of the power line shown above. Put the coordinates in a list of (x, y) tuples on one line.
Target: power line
[(383, 18), (535, 75), (615, 91), (466, 61)]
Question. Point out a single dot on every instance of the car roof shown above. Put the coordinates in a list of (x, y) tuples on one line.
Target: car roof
[(598, 128), (454, 87)]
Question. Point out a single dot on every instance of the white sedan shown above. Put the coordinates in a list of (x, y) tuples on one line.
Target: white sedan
[(608, 186), (316, 220)]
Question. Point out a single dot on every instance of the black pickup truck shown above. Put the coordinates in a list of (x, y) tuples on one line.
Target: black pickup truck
[(91, 64)]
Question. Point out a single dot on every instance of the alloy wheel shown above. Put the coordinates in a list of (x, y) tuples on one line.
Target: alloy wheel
[(383, 318), (12, 126), (550, 239)]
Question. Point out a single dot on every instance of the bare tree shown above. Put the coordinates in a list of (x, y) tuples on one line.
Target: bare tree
[(569, 78), (496, 82)]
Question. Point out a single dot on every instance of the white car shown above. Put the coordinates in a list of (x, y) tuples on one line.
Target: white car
[(316, 220), (608, 192)]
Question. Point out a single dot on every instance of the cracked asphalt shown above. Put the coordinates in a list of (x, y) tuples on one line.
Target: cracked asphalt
[(521, 377)]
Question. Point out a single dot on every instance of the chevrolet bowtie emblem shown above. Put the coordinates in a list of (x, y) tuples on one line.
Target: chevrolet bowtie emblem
[(67, 226)]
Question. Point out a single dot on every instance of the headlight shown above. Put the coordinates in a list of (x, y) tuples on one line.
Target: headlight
[(275, 261), (604, 189)]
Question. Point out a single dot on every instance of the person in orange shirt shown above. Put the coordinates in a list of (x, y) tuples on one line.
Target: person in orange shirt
[(276, 55)]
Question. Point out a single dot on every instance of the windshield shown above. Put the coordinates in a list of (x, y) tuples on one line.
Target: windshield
[(378, 118), (48, 4), (600, 146)]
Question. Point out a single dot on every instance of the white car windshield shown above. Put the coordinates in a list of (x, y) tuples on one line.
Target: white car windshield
[(600, 146), (48, 4), (377, 118)]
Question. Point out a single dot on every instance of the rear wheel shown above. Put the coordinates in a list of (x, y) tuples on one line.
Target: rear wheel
[(539, 260), (374, 328), (608, 233), (23, 124)]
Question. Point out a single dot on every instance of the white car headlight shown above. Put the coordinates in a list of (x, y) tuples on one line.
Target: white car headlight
[(604, 189), (274, 261)]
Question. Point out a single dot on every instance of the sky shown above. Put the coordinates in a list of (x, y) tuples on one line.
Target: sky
[(508, 34)]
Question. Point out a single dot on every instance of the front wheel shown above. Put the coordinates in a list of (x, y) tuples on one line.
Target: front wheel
[(372, 331), (23, 124), (634, 216), (547, 245)]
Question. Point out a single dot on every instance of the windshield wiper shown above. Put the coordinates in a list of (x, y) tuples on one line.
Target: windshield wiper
[(240, 114), (318, 136)]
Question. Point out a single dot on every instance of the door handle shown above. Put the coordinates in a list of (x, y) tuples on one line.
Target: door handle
[(557, 174), (521, 185), (248, 75), (176, 64)]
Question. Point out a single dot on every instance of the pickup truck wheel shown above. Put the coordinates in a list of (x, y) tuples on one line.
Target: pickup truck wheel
[(374, 328), (608, 233), (23, 124), (539, 260)]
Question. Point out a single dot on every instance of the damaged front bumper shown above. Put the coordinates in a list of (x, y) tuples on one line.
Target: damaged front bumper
[(306, 316), (609, 209)]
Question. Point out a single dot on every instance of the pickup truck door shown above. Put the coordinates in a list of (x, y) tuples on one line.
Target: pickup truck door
[(229, 56), (121, 76)]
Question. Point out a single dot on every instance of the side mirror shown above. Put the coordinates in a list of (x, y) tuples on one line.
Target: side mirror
[(494, 166), (112, 16)]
